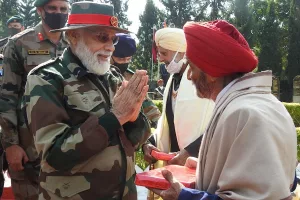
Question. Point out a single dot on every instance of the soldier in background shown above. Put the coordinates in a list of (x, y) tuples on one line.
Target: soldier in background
[(159, 91), (23, 52), (14, 26), (121, 59)]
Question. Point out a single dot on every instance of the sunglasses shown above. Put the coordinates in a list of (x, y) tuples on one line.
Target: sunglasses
[(104, 37)]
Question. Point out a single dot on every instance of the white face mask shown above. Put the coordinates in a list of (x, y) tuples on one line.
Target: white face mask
[(175, 67)]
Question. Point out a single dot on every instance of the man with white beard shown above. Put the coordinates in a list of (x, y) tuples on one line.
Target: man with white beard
[(91, 121)]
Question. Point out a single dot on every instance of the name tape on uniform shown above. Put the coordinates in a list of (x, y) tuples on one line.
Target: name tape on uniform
[(38, 52)]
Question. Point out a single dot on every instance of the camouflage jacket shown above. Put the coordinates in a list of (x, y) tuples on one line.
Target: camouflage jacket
[(149, 108), (3, 42), (23, 52), (85, 152)]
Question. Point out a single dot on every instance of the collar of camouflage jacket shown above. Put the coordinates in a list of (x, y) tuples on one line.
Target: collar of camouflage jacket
[(73, 63)]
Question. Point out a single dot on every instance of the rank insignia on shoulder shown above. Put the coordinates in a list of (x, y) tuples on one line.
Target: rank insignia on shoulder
[(38, 52)]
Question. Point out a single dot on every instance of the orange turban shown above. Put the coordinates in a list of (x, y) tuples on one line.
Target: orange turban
[(218, 48)]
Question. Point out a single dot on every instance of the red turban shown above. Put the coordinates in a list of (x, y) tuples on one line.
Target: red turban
[(218, 48)]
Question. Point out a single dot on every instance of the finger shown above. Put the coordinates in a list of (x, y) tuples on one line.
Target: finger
[(156, 191), (132, 79), (121, 89), (143, 94), (141, 72), (136, 82), (25, 158), (141, 85), (173, 161), (191, 162), (168, 176)]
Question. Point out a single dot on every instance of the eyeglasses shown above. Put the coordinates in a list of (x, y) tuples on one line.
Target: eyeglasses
[(104, 37)]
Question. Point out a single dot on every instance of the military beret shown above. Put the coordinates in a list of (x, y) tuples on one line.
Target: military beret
[(39, 3), (126, 46), (15, 18)]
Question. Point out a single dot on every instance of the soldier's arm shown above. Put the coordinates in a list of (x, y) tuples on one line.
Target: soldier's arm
[(139, 131), (9, 95), (151, 111), (60, 143)]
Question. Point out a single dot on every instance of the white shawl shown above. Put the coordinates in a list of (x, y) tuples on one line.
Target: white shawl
[(191, 115), (249, 148)]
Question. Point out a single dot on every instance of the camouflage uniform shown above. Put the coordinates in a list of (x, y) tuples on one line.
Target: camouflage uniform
[(85, 152), (149, 108), (23, 52), (3, 42)]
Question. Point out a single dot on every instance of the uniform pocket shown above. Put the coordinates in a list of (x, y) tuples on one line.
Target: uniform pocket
[(34, 60), (84, 101), (67, 186)]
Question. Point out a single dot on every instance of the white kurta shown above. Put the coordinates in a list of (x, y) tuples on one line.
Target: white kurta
[(250, 147), (191, 115)]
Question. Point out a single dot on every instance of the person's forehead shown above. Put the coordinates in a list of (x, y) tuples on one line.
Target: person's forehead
[(162, 50), (100, 29), (60, 3), (14, 24)]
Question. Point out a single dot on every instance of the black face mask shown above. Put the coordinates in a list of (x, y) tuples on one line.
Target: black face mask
[(55, 20), (13, 31), (122, 67)]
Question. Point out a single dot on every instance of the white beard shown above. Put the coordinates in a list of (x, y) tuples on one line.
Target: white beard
[(90, 60)]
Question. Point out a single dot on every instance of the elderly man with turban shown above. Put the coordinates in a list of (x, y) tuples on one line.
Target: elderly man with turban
[(121, 59), (184, 115), (249, 148)]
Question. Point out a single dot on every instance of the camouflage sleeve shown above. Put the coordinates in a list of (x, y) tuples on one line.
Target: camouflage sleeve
[(59, 142), (151, 111), (139, 131), (9, 95)]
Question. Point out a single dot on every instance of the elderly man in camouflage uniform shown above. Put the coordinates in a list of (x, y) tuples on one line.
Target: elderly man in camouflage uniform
[(23, 52), (121, 58), (86, 122)]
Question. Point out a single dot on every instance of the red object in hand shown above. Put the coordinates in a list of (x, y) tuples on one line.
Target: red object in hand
[(161, 155), (155, 179)]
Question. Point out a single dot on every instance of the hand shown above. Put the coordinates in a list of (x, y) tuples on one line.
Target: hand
[(180, 158), (129, 98), (173, 192), (191, 162), (147, 149), (15, 157)]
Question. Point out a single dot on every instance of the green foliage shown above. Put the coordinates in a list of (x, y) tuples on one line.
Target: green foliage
[(27, 10), (120, 9), (270, 56), (178, 11), (159, 104), (298, 143), (243, 19), (293, 68), (139, 160), (294, 110), (149, 19), (8, 8)]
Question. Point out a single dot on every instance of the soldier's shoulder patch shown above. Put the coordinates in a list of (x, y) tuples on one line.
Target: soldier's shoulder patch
[(21, 34), (43, 65)]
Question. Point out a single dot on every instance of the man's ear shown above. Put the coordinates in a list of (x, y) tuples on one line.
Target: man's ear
[(39, 11)]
